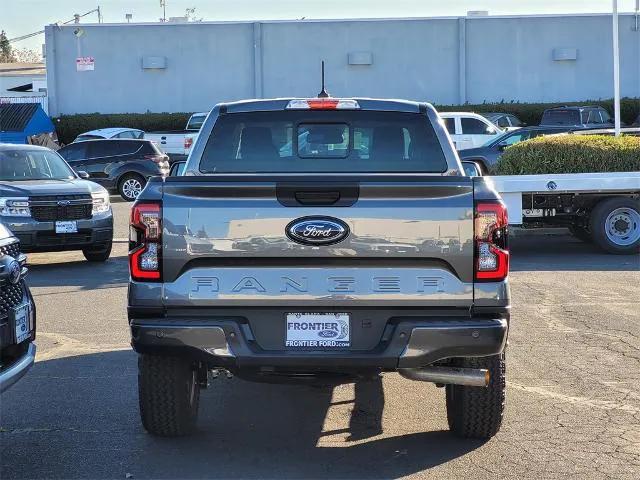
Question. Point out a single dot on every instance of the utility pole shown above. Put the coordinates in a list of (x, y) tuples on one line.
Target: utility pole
[(163, 4), (616, 70)]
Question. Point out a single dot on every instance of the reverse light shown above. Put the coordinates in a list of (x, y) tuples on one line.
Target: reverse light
[(14, 207), (100, 202), (323, 104), (145, 241), (491, 242)]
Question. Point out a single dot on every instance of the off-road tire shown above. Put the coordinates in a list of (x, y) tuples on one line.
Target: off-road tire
[(598, 224), (476, 412), (169, 394), (123, 182), (581, 233), (98, 254)]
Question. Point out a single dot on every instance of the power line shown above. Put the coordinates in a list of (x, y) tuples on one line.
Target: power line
[(75, 18)]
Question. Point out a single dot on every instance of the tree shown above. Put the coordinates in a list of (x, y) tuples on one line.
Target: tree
[(190, 15), (6, 52), (27, 55)]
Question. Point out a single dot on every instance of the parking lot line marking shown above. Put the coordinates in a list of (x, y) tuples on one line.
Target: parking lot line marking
[(580, 401)]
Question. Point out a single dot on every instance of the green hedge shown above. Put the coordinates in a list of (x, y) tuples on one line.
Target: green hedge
[(69, 127), (531, 113), (571, 154)]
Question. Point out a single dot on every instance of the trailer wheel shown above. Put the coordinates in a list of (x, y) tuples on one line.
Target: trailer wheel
[(581, 233), (615, 225)]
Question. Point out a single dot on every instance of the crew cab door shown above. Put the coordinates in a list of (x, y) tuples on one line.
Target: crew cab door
[(475, 132)]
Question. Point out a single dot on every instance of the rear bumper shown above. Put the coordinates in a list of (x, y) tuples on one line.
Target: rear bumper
[(14, 372), (230, 344)]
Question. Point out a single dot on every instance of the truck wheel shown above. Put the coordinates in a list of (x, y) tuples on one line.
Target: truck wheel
[(169, 394), (615, 225), (98, 254), (476, 412), (581, 233), (130, 186)]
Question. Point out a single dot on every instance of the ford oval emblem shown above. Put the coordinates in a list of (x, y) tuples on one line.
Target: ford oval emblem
[(317, 230), (327, 333), (15, 272)]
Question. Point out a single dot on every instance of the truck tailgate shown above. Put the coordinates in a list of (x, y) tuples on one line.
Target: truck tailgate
[(410, 240)]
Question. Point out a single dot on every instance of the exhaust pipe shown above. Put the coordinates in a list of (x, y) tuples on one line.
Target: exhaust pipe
[(473, 377)]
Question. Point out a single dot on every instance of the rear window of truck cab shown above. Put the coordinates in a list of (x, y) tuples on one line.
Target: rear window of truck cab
[(561, 117), (356, 141)]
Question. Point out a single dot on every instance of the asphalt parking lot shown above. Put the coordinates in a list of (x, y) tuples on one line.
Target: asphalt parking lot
[(573, 390)]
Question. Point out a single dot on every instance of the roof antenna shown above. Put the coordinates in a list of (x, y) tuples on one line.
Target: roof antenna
[(323, 93)]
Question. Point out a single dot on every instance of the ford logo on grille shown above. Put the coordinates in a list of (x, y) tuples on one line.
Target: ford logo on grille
[(64, 203), (317, 230)]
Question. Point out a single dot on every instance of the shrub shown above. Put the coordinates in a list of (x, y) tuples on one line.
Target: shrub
[(69, 127), (571, 154)]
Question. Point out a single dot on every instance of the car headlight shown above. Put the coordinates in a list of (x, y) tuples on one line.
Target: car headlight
[(101, 202), (14, 207)]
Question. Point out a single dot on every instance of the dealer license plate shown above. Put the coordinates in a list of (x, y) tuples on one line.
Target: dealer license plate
[(320, 330), (21, 315), (67, 227)]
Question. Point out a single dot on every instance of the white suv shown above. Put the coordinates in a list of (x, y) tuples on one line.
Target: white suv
[(469, 130)]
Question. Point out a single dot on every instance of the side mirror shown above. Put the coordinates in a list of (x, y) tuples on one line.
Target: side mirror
[(471, 168), (177, 169), (83, 175)]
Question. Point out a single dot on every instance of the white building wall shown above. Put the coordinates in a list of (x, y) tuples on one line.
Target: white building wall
[(440, 60)]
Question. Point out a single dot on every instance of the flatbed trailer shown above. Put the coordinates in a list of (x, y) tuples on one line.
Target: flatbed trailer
[(603, 208)]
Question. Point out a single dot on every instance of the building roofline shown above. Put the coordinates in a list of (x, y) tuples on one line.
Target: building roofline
[(343, 20)]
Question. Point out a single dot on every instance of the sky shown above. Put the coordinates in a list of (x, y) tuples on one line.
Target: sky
[(20, 17)]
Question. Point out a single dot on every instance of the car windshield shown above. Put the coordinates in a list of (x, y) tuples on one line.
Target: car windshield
[(323, 141), (496, 140), (18, 165)]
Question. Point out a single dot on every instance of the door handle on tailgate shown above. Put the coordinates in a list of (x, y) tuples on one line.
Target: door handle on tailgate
[(317, 198), (316, 194)]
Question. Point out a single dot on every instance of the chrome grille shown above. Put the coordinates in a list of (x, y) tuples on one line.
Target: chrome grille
[(10, 296), (11, 249)]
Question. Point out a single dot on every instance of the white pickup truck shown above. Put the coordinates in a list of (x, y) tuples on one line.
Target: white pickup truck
[(177, 143)]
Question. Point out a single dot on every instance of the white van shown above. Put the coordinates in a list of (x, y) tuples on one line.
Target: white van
[(469, 130)]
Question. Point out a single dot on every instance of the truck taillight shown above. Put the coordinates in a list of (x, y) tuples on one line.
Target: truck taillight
[(491, 242), (323, 104), (145, 241), (188, 141)]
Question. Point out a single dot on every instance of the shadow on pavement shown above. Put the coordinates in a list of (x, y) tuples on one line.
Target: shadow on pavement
[(80, 273), (564, 253), (246, 430)]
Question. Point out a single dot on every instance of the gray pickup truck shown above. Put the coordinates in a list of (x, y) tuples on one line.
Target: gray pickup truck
[(320, 239)]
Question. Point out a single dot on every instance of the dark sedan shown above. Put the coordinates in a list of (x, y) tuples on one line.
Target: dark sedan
[(489, 154), (118, 165)]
